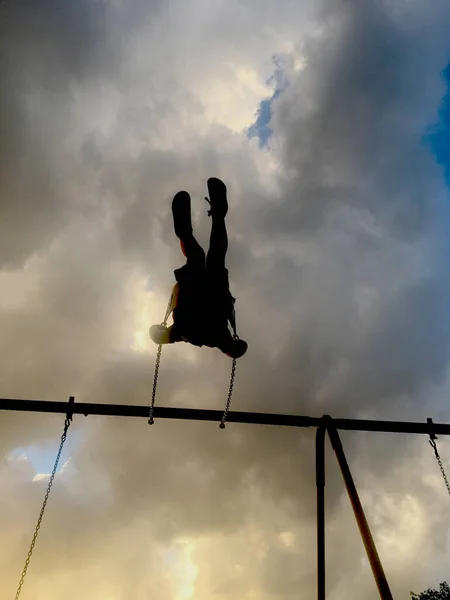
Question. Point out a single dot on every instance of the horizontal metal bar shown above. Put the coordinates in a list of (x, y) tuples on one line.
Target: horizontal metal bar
[(196, 414)]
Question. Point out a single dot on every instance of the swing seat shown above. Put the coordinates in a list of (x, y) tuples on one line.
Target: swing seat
[(160, 334), (232, 347), (201, 319)]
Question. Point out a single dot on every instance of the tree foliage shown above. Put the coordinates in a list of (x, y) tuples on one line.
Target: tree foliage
[(442, 594)]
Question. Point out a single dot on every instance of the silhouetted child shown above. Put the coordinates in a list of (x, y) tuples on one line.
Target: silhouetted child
[(202, 304)]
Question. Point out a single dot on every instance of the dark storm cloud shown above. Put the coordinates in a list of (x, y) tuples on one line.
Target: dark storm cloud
[(351, 124), (362, 192), (46, 50), (43, 46)]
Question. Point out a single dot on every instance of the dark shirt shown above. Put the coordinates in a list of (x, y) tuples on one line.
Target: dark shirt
[(204, 305)]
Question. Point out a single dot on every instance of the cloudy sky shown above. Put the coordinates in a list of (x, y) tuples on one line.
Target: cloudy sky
[(329, 122)]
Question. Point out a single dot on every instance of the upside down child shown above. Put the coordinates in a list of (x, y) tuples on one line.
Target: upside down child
[(202, 305)]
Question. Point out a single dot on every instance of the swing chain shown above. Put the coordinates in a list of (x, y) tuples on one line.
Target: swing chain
[(432, 442), (155, 383), (230, 393), (41, 515), (158, 360), (439, 461)]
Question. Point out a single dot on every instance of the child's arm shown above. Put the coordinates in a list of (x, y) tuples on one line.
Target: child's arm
[(161, 334), (173, 300)]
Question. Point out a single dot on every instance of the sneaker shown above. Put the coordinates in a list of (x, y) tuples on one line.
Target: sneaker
[(237, 349), (234, 348), (181, 211), (217, 197)]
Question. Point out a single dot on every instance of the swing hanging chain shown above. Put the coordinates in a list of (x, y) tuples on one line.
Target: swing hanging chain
[(155, 383), (41, 515), (439, 461), (157, 363), (432, 442), (230, 393)]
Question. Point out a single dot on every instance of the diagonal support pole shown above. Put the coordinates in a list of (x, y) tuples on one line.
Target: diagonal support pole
[(320, 485), (369, 544)]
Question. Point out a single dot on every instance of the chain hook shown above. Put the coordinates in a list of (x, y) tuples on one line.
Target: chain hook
[(431, 430), (69, 414), (432, 435), (432, 442)]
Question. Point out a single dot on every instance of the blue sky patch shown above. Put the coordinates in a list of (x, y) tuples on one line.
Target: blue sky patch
[(261, 128), (42, 458), (437, 137)]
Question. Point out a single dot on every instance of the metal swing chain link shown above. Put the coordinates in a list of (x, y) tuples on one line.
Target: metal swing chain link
[(439, 461), (155, 383), (47, 494), (157, 363), (230, 393)]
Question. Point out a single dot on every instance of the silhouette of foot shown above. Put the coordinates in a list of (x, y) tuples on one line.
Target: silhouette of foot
[(217, 198), (237, 349), (181, 211)]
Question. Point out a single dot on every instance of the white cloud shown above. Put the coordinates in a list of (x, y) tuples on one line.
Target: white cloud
[(41, 476)]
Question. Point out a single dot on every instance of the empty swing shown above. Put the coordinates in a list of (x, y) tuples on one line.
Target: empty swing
[(201, 303)]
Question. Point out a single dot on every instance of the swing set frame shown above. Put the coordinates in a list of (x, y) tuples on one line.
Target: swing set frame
[(324, 425)]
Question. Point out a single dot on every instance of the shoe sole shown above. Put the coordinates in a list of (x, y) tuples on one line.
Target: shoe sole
[(218, 196), (216, 186), (181, 211)]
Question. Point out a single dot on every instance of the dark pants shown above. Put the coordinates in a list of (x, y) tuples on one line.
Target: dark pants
[(204, 302), (218, 246)]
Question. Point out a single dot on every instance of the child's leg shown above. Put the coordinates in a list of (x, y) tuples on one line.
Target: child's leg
[(218, 243), (220, 300), (187, 314), (181, 211), (193, 252)]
